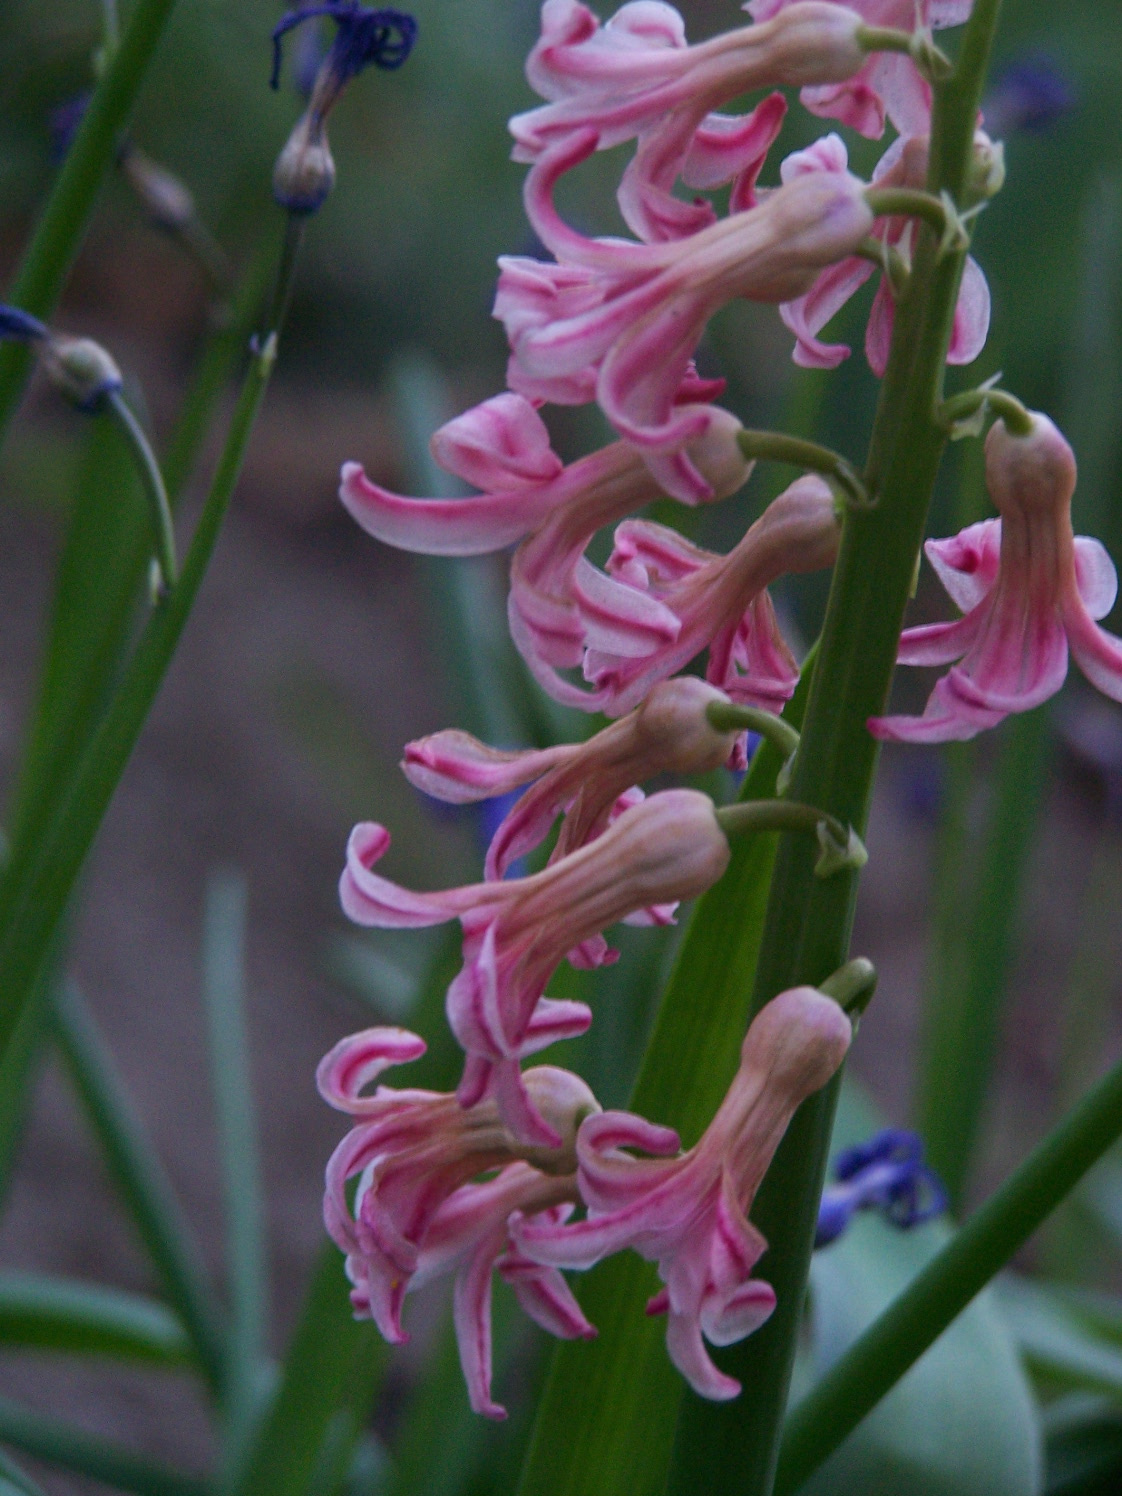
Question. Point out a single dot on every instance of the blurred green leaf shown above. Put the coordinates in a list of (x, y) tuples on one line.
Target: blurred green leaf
[(1084, 1446), (1056, 1343), (334, 1365), (90, 1454), (964, 1017), (14, 1481), (963, 1421), (61, 1314), (140, 1178), (232, 1083)]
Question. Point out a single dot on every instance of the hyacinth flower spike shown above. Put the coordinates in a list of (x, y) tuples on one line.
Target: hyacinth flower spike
[(620, 322), (715, 602), (903, 165), (516, 932), (414, 1153), (889, 84), (689, 1212), (1030, 589), (669, 733)]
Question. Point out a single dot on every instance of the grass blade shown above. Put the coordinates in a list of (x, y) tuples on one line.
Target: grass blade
[(90, 1454), (140, 1177), (224, 992), (61, 1314), (964, 1020), (38, 884)]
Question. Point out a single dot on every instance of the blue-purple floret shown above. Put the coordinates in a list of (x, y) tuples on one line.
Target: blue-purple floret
[(383, 38), (19, 326), (886, 1173)]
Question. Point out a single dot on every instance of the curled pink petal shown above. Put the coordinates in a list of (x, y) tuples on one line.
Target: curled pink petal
[(1033, 588), (688, 1212)]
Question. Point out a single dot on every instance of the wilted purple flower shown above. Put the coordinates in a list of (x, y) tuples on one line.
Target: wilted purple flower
[(886, 1173)]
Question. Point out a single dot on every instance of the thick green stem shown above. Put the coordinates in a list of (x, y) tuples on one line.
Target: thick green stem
[(733, 1447), (47, 262), (39, 885), (894, 1342)]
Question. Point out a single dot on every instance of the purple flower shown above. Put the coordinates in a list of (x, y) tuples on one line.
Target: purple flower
[(382, 37), (886, 1173)]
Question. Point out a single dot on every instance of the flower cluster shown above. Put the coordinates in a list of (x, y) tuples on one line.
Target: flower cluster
[(519, 1171)]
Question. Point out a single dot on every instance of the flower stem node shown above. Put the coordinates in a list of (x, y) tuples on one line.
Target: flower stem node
[(731, 716), (842, 849), (852, 986), (987, 168), (305, 171), (81, 369), (931, 61)]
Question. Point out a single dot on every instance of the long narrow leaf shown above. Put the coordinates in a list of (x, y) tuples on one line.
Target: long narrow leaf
[(140, 1177), (90, 1454), (964, 1026), (606, 1423), (39, 883), (96, 590), (14, 1481), (224, 991), (61, 1314)]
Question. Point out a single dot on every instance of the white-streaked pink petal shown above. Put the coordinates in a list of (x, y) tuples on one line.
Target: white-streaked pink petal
[(1096, 576)]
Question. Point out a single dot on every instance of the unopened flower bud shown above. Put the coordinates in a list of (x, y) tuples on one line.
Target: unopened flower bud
[(82, 370), (564, 1101), (168, 201), (305, 171), (987, 167)]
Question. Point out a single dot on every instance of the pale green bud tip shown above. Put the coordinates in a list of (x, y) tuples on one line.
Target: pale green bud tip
[(842, 850), (305, 171), (82, 370)]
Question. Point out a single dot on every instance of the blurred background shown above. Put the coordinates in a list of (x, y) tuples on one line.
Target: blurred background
[(995, 878)]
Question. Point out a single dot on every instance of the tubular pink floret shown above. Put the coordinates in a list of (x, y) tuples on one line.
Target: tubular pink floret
[(690, 1213), (1033, 590)]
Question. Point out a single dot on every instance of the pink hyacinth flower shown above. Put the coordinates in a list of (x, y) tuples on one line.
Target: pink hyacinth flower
[(904, 164), (637, 78), (555, 511), (516, 932), (689, 1213), (413, 1151), (469, 1236), (1030, 590), (715, 602), (668, 733), (889, 84), (622, 320)]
